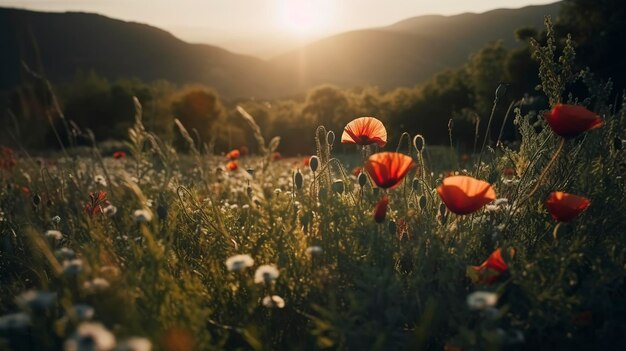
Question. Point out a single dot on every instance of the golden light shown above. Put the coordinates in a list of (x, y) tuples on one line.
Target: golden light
[(307, 16)]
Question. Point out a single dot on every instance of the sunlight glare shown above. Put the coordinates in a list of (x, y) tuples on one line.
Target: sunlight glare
[(307, 16)]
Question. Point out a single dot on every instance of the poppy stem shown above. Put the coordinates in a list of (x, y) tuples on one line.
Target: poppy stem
[(556, 231), (544, 173)]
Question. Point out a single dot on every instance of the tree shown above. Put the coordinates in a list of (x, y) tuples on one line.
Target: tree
[(198, 108)]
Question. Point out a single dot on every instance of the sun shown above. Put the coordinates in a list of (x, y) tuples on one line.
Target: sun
[(306, 17)]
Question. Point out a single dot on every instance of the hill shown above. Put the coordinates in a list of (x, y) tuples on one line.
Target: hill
[(58, 44), (403, 54), (408, 52)]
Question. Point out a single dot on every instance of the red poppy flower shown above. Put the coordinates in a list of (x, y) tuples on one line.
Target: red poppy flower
[(97, 201), (307, 161), (233, 154), (365, 131), (7, 158), (380, 211), (356, 171), (276, 156), (119, 154), (564, 207), (463, 194), (232, 165), (570, 120), (387, 169), (490, 270)]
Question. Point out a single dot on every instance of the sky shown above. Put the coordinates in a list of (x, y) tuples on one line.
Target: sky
[(239, 25)]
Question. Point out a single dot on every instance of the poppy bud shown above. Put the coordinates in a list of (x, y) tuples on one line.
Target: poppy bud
[(423, 202), (415, 184), (362, 179), (36, 199), (392, 227), (338, 186), (314, 162), (298, 180), (618, 143), (162, 212), (380, 211), (330, 138), (322, 193)]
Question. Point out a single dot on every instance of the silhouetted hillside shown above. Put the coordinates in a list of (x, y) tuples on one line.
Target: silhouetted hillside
[(403, 54), (408, 52), (58, 44)]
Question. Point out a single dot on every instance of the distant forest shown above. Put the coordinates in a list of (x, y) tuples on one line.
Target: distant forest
[(452, 105)]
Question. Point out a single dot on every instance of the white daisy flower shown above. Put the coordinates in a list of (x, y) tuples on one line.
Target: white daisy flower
[(265, 274), (135, 344), (314, 250), (96, 285), (90, 336), (53, 234), (100, 180), (239, 262), (35, 300), (83, 311), (142, 216), (72, 267), (273, 301), (110, 211), (14, 321), (481, 300)]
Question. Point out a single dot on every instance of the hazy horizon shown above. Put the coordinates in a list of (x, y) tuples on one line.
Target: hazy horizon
[(265, 28)]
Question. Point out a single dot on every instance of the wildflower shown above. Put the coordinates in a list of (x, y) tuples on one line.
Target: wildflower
[(14, 321), (72, 267), (90, 336), (380, 211), (239, 262), (569, 121), (387, 169), (464, 194), (53, 234), (338, 186), (56, 219), (565, 207), (100, 180), (82, 312), (65, 253), (110, 211), (35, 300), (135, 344), (96, 285), (142, 215), (233, 154), (96, 202), (265, 274), (314, 163), (119, 155), (314, 250), (273, 301), (481, 300), (298, 179), (232, 165), (365, 131), (276, 156), (490, 270)]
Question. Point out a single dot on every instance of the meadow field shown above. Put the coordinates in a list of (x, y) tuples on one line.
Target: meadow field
[(396, 246)]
